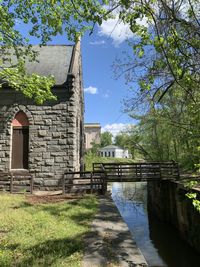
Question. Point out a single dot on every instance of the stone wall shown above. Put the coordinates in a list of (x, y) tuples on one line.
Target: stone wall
[(167, 201), (51, 136), (55, 130)]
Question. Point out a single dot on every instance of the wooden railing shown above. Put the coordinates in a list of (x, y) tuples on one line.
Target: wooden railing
[(16, 183), (139, 171), (76, 182), (5, 181)]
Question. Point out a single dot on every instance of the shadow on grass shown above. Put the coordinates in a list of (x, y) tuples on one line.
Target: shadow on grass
[(49, 252), (85, 210), (54, 251)]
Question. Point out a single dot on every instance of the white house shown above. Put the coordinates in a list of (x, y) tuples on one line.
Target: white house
[(114, 152)]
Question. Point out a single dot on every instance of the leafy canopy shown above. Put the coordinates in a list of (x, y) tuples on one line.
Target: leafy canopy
[(106, 139), (166, 39), (167, 47), (44, 19)]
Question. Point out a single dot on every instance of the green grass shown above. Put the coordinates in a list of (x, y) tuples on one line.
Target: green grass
[(43, 234), (90, 158)]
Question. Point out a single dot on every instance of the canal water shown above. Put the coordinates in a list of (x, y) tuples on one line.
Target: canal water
[(159, 242)]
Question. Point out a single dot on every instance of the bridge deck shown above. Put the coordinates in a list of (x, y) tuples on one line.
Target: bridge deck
[(145, 171), (96, 181)]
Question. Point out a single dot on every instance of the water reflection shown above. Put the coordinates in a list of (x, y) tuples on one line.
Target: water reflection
[(159, 242)]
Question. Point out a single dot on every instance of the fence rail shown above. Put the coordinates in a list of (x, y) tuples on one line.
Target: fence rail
[(16, 183), (139, 171), (76, 182)]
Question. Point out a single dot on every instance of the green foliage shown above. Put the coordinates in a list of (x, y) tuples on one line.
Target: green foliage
[(166, 48), (129, 139), (192, 195), (92, 158), (44, 19), (32, 86), (95, 149), (48, 234), (106, 139), (170, 130)]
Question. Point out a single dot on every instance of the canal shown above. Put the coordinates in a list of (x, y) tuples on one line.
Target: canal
[(159, 242)]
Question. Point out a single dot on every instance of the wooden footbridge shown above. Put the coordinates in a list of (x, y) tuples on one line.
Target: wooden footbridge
[(96, 180)]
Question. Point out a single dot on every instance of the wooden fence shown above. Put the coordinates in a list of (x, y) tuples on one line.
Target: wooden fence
[(139, 171), (87, 182), (15, 183)]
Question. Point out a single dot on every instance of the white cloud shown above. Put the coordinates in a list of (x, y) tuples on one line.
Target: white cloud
[(101, 42), (115, 128), (91, 90), (116, 30)]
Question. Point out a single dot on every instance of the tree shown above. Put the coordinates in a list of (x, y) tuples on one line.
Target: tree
[(166, 46), (170, 130), (44, 19), (131, 139), (106, 139), (167, 50)]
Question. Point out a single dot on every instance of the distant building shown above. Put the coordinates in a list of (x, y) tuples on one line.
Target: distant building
[(114, 152), (92, 134)]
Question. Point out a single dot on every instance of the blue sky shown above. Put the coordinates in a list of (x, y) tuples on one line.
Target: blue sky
[(103, 94)]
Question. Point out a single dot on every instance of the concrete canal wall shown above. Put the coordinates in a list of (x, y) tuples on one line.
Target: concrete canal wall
[(168, 202)]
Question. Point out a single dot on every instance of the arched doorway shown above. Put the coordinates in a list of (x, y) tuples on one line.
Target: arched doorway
[(20, 141)]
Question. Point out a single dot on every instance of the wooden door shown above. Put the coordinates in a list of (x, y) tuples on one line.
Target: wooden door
[(20, 148)]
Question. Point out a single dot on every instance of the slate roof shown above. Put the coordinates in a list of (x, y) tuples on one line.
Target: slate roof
[(52, 60)]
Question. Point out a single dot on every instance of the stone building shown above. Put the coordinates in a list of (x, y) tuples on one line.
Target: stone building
[(92, 134), (45, 140)]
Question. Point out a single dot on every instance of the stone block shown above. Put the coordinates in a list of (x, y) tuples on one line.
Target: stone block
[(56, 135), (58, 159), (46, 155), (42, 133), (48, 122), (50, 182), (62, 142), (49, 162), (57, 154)]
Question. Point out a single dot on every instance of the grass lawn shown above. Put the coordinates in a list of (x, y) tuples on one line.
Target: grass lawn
[(43, 234)]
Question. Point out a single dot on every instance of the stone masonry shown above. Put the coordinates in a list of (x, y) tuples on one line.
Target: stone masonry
[(55, 128)]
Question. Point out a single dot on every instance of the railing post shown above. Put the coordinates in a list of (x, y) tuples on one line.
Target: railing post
[(160, 170), (31, 184), (11, 183), (120, 172), (136, 175), (63, 184), (140, 172), (104, 183), (91, 183), (178, 170)]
